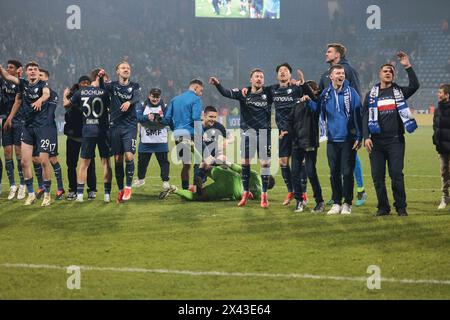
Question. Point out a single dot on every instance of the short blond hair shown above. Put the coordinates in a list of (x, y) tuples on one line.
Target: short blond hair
[(122, 62)]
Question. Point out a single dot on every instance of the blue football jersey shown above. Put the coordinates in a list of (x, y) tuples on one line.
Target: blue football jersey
[(119, 95), (94, 102), (31, 93)]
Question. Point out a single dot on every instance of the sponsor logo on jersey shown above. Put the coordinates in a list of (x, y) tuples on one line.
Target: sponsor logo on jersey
[(283, 99), (122, 95)]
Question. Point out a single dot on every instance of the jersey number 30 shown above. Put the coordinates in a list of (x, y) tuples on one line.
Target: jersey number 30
[(92, 108)]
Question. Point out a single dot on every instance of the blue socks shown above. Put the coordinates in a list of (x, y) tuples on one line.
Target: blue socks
[(245, 176), (38, 172), (9, 164), (29, 184), (287, 177), (129, 168), (58, 174), (119, 175), (19, 169), (107, 187)]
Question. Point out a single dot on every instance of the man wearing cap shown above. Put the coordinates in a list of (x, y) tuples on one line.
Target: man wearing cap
[(153, 137), (72, 129)]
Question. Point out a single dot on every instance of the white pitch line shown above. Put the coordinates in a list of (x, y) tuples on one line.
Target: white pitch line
[(325, 175), (226, 274)]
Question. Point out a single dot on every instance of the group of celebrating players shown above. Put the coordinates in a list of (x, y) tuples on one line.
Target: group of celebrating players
[(304, 110)]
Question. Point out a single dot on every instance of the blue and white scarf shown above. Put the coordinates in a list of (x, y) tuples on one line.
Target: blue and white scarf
[(327, 95), (402, 107)]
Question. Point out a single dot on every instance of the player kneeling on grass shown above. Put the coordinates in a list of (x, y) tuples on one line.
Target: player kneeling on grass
[(227, 185), (214, 144), (153, 138), (441, 139), (93, 101)]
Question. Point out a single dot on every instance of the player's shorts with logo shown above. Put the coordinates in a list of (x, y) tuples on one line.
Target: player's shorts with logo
[(88, 145), (12, 137), (183, 143), (43, 139), (123, 140), (285, 146), (256, 142)]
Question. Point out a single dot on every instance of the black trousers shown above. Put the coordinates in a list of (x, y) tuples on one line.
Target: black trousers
[(341, 160), (144, 159), (310, 157), (72, 154), (392, 152)]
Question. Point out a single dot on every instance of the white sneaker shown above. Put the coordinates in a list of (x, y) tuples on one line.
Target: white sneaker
[(346, 209), (12, 192), (47, 200), (335, 209), (79, 198), (443, 203), (107, 198), (31, 199), (21, 193), (300, 206), (138, 183), (166, 185)]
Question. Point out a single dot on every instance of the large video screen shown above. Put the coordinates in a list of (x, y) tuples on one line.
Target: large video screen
[(247, 9)]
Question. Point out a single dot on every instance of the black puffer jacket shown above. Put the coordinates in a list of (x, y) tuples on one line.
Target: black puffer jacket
[(304, 126), (441, 128)]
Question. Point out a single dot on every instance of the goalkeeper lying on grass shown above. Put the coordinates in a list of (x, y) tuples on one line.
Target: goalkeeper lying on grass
[(227, 185)]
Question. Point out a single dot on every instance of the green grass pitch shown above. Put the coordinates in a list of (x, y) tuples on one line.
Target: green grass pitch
[(169, 249)]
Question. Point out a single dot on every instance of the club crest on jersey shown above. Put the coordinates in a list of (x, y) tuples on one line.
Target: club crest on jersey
[(264, 97), (130, 89), (36, 90), (289, 91)]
